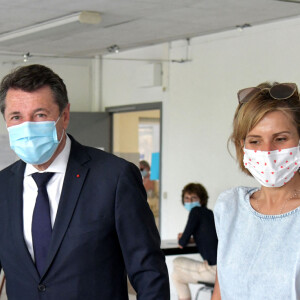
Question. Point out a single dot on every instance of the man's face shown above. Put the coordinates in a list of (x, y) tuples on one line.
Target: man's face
[(34, 106)]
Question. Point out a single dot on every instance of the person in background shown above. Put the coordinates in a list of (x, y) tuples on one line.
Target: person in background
[(258, 228), (201, 228), (148, 183), (74, 220)]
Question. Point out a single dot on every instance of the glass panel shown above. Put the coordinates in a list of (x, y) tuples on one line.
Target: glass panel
[(136, 137)]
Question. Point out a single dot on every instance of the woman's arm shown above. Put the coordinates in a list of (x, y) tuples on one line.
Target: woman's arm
[(192, 224), (217, 294)]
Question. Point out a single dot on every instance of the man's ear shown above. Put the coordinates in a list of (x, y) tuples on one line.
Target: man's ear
[(66, 116)]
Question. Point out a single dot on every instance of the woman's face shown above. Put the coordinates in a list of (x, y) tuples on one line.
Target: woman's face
[(275, 131), (187, 198)]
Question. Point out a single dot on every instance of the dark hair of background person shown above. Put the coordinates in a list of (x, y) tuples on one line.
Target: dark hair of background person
[(144, 164), (31, 78), (198, 189), (249, 114)]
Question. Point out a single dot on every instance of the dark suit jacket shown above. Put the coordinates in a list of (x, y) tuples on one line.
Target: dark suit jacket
[(103, 227)]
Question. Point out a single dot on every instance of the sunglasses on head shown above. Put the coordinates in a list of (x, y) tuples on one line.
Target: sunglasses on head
[(281, 91)]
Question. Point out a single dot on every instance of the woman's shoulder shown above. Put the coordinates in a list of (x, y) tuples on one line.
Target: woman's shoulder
[(229, 205), (232, 197), (199, 210), (236, 192)]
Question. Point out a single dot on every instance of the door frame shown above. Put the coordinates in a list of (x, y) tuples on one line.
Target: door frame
[(140, 107)]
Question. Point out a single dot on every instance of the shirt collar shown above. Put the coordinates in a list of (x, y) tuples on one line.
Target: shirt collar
[(59, 165)]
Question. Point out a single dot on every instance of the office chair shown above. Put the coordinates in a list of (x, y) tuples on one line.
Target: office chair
[(206, 286), (2, 285)]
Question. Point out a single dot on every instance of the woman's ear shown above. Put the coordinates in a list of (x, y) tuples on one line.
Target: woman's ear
[(242, 142)]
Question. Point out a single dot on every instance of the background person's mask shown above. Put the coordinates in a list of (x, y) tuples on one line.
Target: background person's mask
[(190, 205)]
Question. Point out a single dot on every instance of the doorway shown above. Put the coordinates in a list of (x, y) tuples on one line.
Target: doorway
[(136, 137)]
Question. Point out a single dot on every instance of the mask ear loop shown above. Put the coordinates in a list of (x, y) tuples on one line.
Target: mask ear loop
[(63, 133)]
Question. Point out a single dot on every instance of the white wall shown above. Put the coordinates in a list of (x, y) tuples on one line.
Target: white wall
[(77, 75), (199, 99)]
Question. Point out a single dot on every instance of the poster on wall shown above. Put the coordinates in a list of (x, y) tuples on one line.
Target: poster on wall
[(154, 175)]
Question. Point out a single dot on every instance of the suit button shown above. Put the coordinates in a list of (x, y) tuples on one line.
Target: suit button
[(41, 287)]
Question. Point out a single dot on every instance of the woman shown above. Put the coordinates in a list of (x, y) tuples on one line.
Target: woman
[(147, 182), (201, 227), (259, 229)]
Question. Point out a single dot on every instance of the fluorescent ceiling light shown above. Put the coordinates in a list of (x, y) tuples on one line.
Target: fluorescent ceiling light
[(293, 1), (84, 17)]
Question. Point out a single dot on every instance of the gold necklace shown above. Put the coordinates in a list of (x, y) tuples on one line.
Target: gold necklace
[(295, 195)]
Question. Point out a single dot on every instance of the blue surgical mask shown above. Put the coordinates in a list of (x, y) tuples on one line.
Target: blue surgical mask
[(190, 205), (34, 142), (144, 173)]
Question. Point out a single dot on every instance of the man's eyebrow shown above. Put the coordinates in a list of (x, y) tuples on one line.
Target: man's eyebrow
[(14, 113), (41, 109)]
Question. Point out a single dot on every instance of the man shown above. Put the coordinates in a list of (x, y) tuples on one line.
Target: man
[(101, 227)]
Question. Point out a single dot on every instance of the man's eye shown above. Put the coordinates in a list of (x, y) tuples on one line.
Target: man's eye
[(15, 117), (41, 115)]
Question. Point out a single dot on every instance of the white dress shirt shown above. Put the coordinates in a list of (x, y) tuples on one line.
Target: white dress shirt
[(54, 188)]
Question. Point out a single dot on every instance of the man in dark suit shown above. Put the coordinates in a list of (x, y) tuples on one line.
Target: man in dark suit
[(80, 232)]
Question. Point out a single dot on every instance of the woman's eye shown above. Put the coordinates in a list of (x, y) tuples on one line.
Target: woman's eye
[(253, 142), (281, 139)]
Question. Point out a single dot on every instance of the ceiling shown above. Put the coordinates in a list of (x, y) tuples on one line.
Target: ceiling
[(129, 23)]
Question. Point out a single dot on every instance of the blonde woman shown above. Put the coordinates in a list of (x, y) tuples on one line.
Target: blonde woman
[(259, 228)]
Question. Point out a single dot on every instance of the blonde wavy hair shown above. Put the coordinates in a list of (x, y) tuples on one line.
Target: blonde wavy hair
[(247, 116)]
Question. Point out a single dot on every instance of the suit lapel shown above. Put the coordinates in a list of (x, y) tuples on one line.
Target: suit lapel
[(74, 178), (16, 217)]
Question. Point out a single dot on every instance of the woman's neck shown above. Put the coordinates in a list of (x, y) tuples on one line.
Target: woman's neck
[(278, 200)]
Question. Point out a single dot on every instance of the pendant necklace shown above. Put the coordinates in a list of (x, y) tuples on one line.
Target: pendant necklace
[(295, 195)]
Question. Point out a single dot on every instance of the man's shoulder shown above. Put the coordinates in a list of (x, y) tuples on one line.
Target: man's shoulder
[(96, 156), (12, 168)]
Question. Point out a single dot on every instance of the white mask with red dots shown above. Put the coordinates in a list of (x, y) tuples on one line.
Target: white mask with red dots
[(272, 168)]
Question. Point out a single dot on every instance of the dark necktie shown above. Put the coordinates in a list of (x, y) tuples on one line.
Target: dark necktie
[(41, 221)]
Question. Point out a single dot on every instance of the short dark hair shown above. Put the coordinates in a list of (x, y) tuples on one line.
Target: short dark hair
[(31, 78), (145, 164), (198, 189)]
